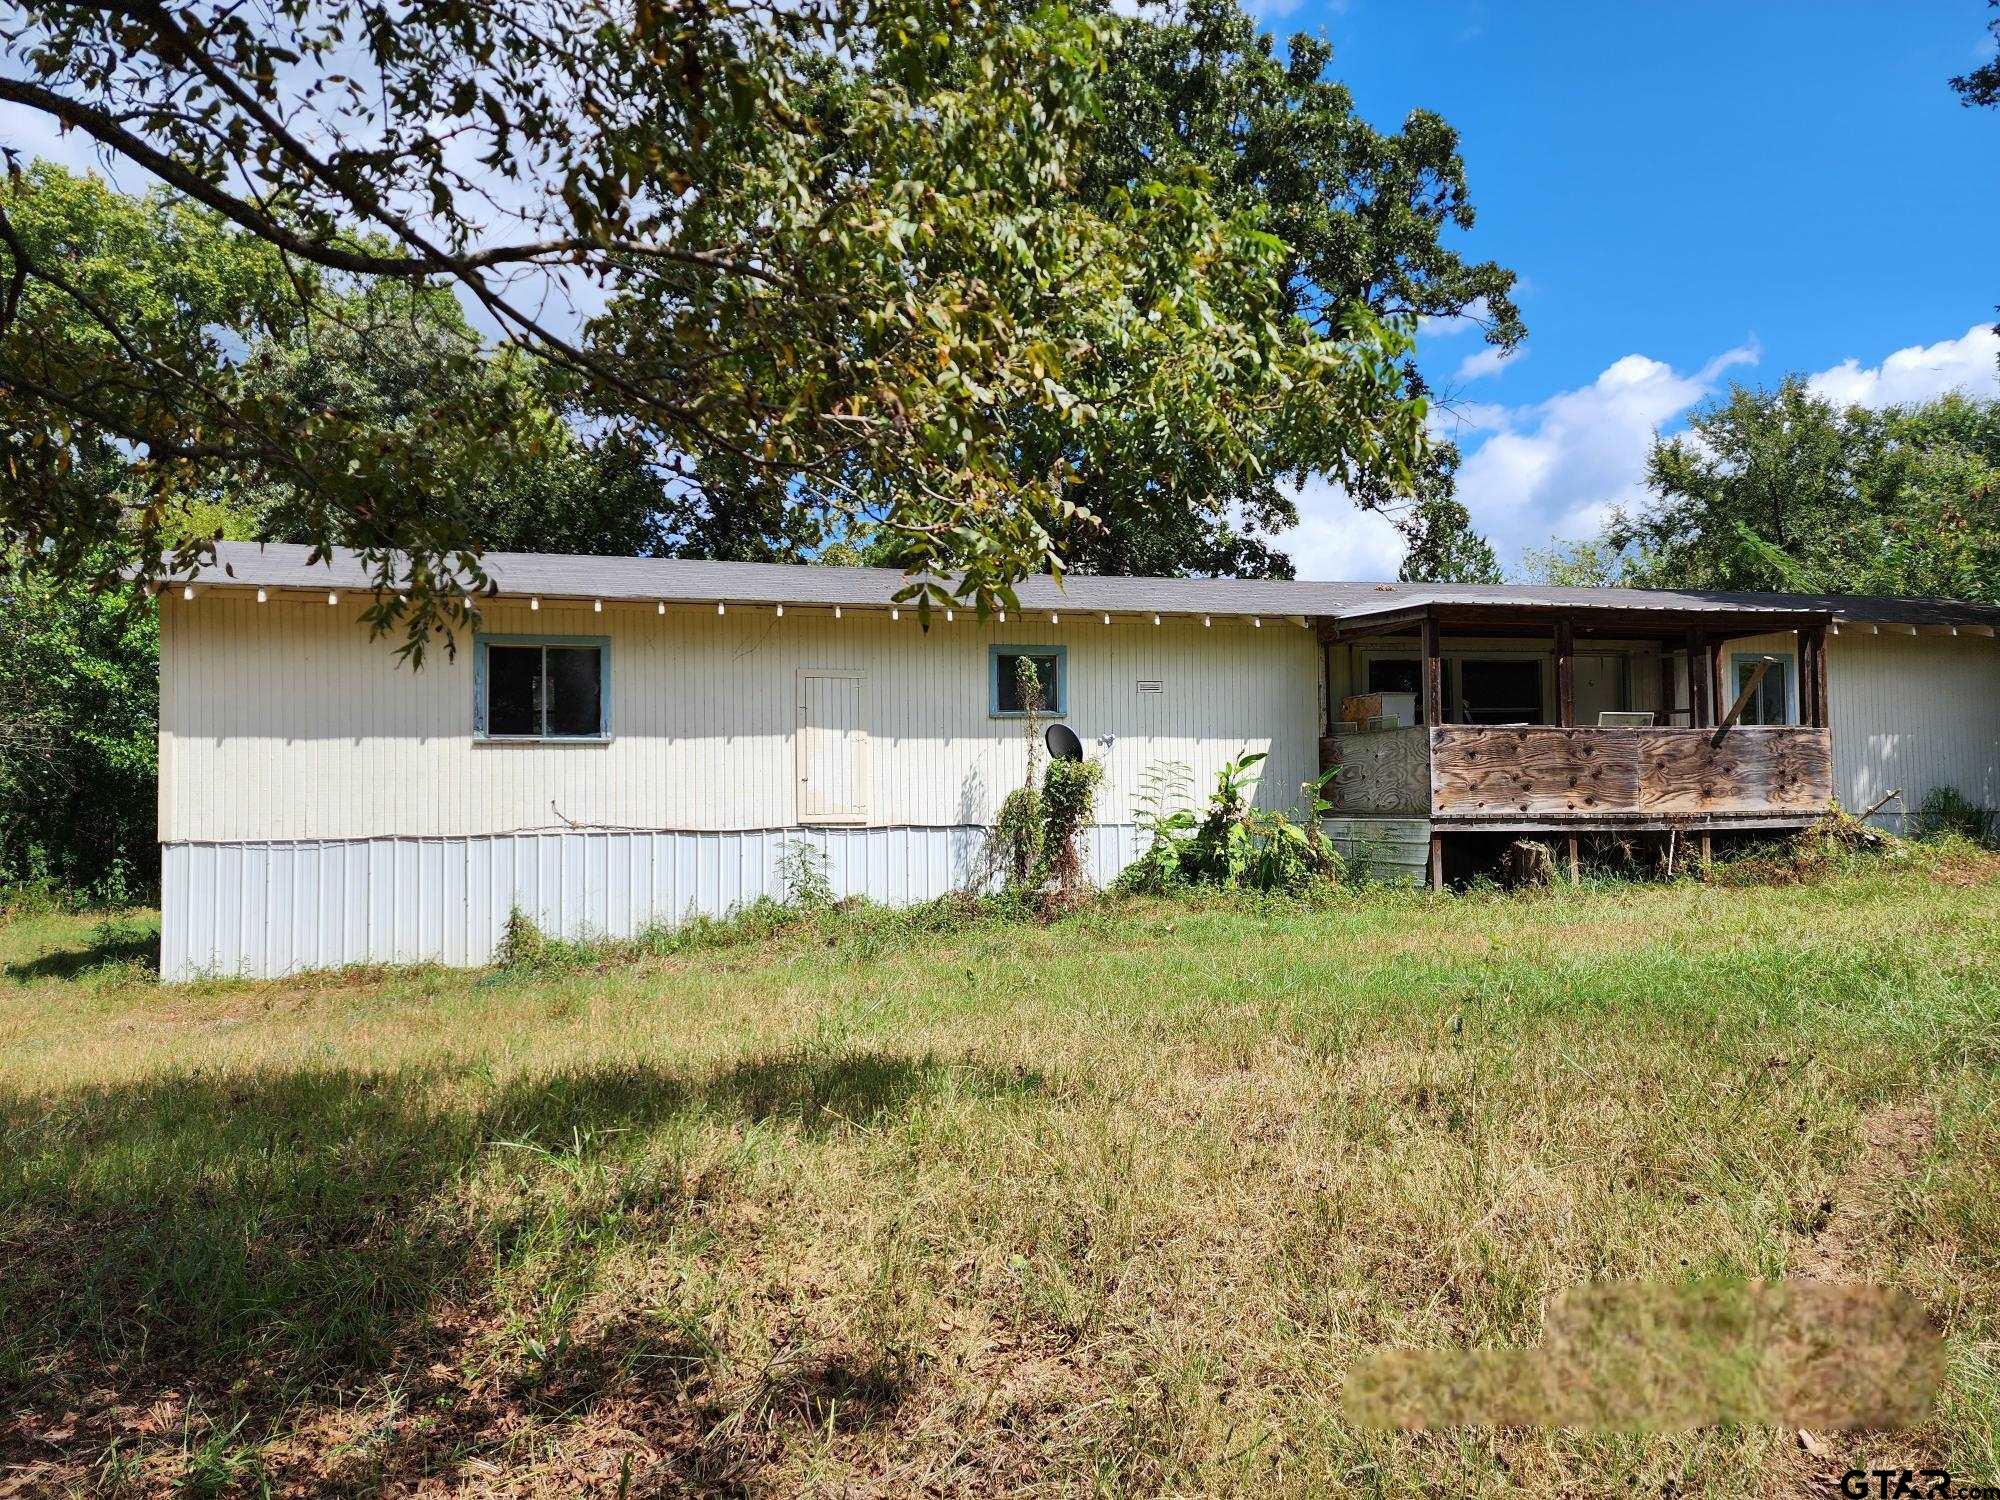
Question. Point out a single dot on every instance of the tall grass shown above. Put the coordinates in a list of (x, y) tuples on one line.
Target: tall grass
[(952, 1201)]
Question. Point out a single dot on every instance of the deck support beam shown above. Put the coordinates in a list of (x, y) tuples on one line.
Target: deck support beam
[(1437, 861), (1565, 673), (1812, 677), (1433, 673), (1701, 679)]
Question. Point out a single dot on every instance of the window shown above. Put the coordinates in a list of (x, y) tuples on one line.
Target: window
[(1004, 679), (1772, 702), (531, 689), (1499, 690), (1398, 674)]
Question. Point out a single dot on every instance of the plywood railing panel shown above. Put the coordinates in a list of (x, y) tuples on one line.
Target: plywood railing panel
[(1384, 771), (1503, 772)]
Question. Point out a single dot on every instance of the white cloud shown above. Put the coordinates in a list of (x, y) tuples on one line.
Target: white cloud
[(1476, 316), (1335, 539), (1557, 466), (1921, 372), (1488, 361)]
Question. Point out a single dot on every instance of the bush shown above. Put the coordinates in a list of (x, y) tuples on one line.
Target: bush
[(1233, 846), (1946, 812), (79, 738), (1069, 796), (803, 871)]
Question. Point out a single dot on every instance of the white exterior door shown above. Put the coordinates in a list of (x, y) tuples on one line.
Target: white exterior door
[(833, 748)]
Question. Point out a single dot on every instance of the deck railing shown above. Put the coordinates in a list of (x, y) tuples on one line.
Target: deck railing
[(1503, 776)]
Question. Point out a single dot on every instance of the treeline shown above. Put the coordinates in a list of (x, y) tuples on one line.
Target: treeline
[(1783, 489)]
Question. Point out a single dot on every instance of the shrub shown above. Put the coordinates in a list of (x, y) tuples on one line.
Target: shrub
[(1014, 844), (1946, 811), (1233, 845), (1069, 797), (802, 870)]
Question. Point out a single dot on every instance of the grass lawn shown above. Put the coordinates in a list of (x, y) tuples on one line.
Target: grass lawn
[(874, 1207)]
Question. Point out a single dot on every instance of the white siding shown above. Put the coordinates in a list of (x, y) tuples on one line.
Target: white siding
[(1908, 712), (284, 721)]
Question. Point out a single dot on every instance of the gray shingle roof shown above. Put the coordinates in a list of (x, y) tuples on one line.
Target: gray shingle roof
[(555, 576)]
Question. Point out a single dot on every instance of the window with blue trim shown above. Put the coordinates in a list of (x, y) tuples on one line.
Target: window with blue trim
[(541, 688), (1005, 679)]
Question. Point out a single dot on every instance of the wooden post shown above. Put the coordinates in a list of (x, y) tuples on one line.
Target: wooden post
[(1812, 677), (1575, 867), (1437, 861), (1433, 674), (1707, 849), (1565, 673), (1701, 677), (1669, 701)]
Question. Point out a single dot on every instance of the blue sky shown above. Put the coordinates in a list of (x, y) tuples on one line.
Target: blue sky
[(1691, 194)]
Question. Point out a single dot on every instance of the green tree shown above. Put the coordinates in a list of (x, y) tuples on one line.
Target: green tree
[(1440, 545), (1587, 564), (1362, 216), (1780, 489), (1981, 86), (837, 247), (78, 736)]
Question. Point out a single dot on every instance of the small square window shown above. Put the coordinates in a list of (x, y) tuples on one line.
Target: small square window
[(541, 690), (1014, 670)]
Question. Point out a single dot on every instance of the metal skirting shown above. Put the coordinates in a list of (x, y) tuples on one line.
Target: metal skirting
[(266, 909), (1392, 850)]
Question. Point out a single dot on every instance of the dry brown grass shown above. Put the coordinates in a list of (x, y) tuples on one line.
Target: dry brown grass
[(1112, 1205)]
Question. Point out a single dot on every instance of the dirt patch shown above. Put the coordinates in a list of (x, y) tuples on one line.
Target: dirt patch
[(1894, 1138)]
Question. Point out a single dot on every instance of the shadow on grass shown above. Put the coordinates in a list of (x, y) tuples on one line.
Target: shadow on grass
[(265, 1240), (112, 945)]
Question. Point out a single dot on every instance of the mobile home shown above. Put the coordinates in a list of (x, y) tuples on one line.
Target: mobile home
[(625, 741)]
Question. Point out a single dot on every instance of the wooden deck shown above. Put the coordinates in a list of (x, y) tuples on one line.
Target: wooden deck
[(1469, 777)]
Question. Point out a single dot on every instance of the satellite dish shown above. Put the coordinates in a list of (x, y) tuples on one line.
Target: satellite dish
[(1063, 743)]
